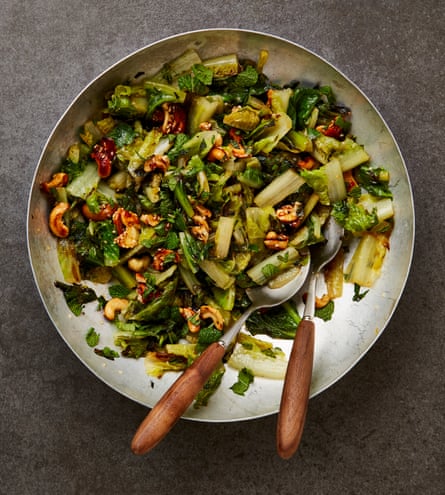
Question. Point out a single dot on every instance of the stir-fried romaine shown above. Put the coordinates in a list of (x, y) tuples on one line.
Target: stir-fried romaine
[(199, 182)]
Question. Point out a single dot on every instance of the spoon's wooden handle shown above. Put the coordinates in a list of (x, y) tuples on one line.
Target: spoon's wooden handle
[(161, 419), (294, 400)]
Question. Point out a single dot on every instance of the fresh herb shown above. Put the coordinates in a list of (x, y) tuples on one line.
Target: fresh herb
[(208, 335), (118, 290), (76, 296), (270, 270), (353, 216), (107, 353), (209, 388), (92, 337), (358, 296), (122, 134), (374, 180), (325, 313), (245, 378), (247, 78), (279, 323), (197, 81)]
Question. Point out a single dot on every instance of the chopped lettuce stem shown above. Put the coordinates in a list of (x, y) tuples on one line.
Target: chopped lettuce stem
[(223, 66), (223, 236), (336, 182), (365, 265), (217, 273), (276, 191), (273, 265)]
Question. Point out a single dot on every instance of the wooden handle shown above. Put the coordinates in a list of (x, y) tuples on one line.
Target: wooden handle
[(294, 400), (161, 419)]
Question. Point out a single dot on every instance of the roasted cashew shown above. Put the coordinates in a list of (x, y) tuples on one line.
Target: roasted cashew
[(203, 211), (151, 219), (56, 223), (105, 211), (128, 227), (59, 179), (189, 314), (321, 302), (138, 265), (114, 306), (213, 314)]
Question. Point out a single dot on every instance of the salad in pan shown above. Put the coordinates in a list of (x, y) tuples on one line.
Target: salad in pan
[(198, 182)]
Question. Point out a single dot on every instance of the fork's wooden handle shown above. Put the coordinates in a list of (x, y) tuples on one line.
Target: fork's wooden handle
[(161, 419), (294, 400)]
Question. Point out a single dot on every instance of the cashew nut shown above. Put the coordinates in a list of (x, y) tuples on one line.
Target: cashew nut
[(213, 314), (138, 265), (129, 237), (56, 223), (321, 302), (190, 315), (151, 219), (59, 179), (128, 227), (203, 211), (114, 306), (105, 211)]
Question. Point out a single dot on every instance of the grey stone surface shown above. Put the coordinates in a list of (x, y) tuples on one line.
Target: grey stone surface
[(379, 430)]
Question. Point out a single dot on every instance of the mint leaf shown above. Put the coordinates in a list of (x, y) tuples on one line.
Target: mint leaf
[(107, 353), (92, 337), (203, 74), (118, 290), (245, 378), (247, 78), (326, 312), (358, 296), (76, 296)]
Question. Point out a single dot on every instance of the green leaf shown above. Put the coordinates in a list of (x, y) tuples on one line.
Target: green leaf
[(245, 378), (118, 290), (374, 180), (107, 353), (326, 312), (358, 296), (279, 323), (92, 337), (76, 296), (122, 134), (209, 388), (270, 270), (208, 335), (353, 216), (106, 233), (247, 78), (203, 74)]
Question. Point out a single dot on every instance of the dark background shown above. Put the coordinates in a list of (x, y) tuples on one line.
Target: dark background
[(379, 430)]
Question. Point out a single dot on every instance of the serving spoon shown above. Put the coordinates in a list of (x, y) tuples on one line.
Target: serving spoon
[(161, 419), (295, 395)]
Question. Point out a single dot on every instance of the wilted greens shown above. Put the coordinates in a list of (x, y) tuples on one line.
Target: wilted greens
[(199, 182)]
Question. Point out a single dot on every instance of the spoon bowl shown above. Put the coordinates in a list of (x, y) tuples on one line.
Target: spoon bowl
[(181, 394)]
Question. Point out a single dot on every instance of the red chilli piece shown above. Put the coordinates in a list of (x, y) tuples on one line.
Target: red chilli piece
[(174, 118), (333, 130), (103, 153)]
